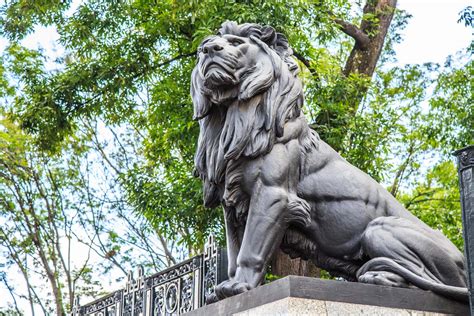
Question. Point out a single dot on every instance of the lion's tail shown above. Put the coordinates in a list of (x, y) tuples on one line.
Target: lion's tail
[(387, 264)]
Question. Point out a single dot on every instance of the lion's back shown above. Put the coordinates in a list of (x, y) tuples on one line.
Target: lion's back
[(329, 179)]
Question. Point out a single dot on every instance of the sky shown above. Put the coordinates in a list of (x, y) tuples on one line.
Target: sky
[(433, 32), (430, 36)]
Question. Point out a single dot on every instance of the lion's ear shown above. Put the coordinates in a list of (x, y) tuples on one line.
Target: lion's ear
[(263, 75), (201, 102)]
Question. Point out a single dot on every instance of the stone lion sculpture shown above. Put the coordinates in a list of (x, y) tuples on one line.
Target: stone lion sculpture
[(282, 186)]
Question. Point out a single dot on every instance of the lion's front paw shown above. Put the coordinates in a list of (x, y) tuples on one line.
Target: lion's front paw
[(228, 288), (211, 298)]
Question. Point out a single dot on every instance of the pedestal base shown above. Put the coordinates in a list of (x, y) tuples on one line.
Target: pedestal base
[(299, 296)]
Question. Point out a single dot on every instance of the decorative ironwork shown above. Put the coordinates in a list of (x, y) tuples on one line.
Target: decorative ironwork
[(159, 301), (187, 287), (174, 291)]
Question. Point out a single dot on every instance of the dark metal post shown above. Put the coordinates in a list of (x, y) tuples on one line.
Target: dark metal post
[(466, 184)]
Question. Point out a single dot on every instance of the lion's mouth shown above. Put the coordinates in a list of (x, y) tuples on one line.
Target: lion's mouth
[(212, 66), (218, 73)]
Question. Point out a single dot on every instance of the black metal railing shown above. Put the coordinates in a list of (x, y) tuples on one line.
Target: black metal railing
[(465, 159), (174, 291)]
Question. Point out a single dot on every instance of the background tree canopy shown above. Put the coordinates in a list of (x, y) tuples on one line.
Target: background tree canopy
[(114, 112)]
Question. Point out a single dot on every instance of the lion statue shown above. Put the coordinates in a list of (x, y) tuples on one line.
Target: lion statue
[(282, 186)]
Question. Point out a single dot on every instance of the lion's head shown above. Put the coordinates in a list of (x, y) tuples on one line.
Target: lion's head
[(244, 89), (239, 62)]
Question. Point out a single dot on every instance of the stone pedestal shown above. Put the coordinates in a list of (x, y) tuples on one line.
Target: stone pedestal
[(299, 296)]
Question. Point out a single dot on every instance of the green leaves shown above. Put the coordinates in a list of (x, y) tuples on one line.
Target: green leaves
[(452, 106), (127, 65), (19, 17)]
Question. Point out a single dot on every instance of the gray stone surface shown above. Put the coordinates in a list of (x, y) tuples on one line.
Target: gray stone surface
[(282, 186), (295, 295), (293, 306)]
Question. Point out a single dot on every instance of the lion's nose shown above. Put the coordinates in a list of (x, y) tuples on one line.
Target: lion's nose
[(211, 47)]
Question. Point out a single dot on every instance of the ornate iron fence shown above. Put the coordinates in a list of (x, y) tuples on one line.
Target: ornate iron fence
[(174, 291)]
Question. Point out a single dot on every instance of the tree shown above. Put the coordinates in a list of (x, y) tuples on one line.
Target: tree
[(36, 228), (128, 65), (137, 56), (51, 208)]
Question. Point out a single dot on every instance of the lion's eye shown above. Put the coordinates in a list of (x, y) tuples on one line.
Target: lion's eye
[(236, 42)]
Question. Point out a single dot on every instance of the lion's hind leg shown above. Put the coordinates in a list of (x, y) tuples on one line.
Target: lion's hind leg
[(380, 277), (404, 253)]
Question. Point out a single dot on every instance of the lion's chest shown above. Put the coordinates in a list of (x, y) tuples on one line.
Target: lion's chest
[(278, 168)]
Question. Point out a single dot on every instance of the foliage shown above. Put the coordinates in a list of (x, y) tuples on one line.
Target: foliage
[(112, 117), (64, 219), (467, 16), (130, 63), (36, 217)]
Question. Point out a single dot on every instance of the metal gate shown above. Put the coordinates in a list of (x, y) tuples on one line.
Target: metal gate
[(174, 291)]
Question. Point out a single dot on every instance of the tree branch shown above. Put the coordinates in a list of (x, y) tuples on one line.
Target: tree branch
[(80, 105), (401, 170), (11, 291), (306, 63), (361, 38), (169, 61), (167, 251)]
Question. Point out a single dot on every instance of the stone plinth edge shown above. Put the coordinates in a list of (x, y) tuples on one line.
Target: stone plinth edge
[(335, 291)]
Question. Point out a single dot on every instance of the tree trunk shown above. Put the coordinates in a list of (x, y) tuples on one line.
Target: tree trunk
[(283, 265), (366, 51), (369, 42)]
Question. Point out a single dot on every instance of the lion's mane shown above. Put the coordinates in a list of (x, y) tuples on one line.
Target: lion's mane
[(249, 124)]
